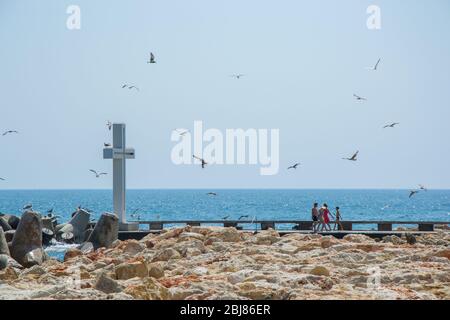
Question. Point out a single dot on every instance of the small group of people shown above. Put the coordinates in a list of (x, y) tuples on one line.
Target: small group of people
[(321, 218)]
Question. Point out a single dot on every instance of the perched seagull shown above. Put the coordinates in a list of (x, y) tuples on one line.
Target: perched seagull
[(97, 175), (152, 58), (413, 192), (359, 98), (109, 125), (375, 67), (237, 76), (9, 131), (135, 214), (422, 187), (212, 194), (28, 206), (225, 218), (391, 125), (353, 157), (107, 144), (242, 217), (204, 163), (294, 166)]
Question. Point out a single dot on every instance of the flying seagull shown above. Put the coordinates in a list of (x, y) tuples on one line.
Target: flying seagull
[(9, 131), (294, 166), (204, 163), (391, 125), (3, 179), (152, 58), (237, 76), (225, 218), (353, 157), (375, 67), (413, 192), (242, 217), (181, 132), (109, 125), (107, 144), (27, 206), (133, 87), (97, 175), (422, 187), (212, 194), (359, 98), (130, 87)]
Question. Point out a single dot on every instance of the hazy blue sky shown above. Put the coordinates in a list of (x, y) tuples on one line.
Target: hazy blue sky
[(303, 61)]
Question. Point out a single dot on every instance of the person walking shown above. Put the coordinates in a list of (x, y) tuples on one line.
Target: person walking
[(325, 218), (338, 218), (315, 217)]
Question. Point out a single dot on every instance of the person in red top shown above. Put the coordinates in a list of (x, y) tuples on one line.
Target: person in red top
[(326, 218)]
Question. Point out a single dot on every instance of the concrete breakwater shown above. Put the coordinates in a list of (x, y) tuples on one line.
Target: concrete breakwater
[(225, 263), (22, 239)]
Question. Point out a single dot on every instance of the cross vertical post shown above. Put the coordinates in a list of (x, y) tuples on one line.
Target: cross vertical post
[(119, 153)]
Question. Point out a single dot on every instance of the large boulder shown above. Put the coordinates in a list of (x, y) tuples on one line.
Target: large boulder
[(4, 224), (12, 220), (105, 232), (3, 243), (79, 224), (26, 246), (76, 227)]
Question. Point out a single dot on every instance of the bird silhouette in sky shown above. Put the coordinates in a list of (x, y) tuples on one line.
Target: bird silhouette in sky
[(152, 58), (9, 132), (359, 98), (97, 174), (204, 163), (374, 68), (294, 166), (392, 125), (353, 157)]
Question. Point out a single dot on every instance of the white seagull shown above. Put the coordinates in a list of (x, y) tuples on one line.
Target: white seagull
[(152, 58), (374, 68), (9, 131), (391, 125), (181, 132), (353, 157), (97, 175), (204, 163), (237, 76), (294, 166), (359, 98)]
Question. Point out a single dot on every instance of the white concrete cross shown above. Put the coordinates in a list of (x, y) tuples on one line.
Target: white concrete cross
[(119, 153)]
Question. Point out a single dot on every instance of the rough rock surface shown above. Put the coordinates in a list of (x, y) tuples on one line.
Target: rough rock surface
[(217, 263), (26, 246)]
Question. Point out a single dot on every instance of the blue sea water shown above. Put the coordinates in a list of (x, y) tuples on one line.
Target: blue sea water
[(274, 204), (264, 204)]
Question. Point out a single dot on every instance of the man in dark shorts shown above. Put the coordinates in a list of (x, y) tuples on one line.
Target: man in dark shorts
[(315, 216)]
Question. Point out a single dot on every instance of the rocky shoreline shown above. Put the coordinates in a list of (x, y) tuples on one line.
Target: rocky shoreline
[(224, 263)]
